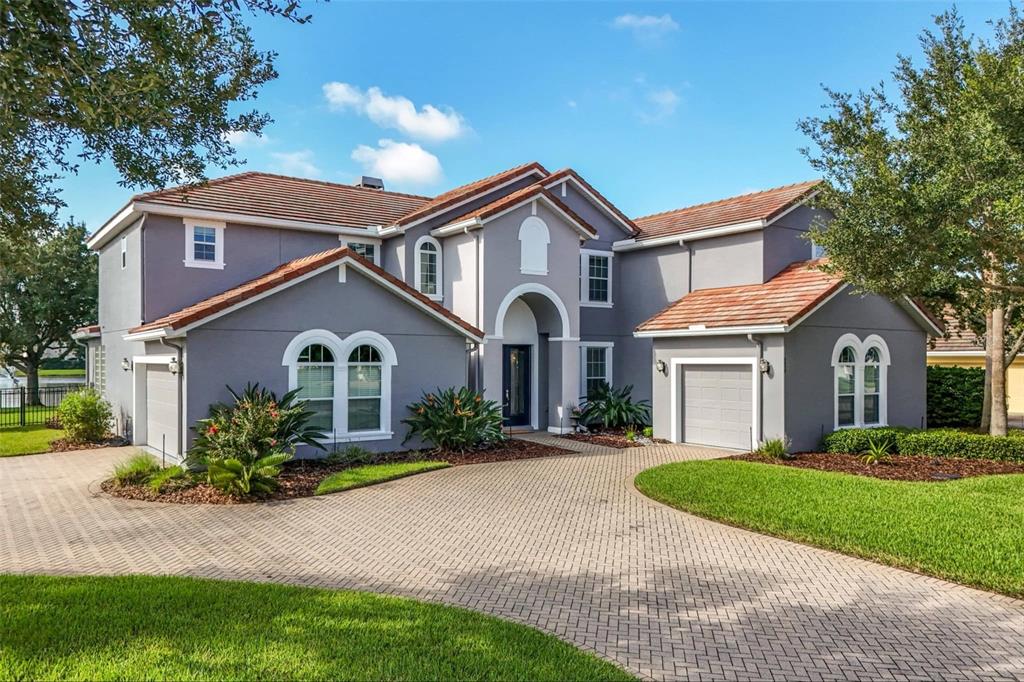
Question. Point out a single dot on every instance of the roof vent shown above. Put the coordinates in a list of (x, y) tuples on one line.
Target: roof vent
[(370, 183)]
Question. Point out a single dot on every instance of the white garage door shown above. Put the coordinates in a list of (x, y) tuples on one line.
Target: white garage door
[(717, 405), (161, 409)]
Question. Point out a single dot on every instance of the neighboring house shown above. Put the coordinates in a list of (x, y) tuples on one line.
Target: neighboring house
[(962, 348), (526, 285)]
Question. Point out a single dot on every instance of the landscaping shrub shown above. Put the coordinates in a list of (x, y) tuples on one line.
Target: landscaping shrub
[(955, 396), (774, 448), (932, 442), (853, 441), (455, 419), (85, 416), (135, 470), (160, 478), (242, 446), (614, 408), (878, 450)]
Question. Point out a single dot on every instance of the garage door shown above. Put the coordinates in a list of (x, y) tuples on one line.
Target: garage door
[(717, 405), (161, 409)]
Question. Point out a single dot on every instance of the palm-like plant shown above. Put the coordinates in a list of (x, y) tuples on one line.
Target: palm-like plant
[(614, 408), (239, 478), (455, 419)]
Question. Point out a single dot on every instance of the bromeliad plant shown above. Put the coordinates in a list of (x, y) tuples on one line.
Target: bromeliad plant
[(614, 408), (241, 447), (455, 419)]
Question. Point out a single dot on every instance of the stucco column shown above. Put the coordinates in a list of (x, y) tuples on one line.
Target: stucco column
[(563, 386)]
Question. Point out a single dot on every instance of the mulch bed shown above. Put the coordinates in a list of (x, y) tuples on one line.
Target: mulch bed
[(300, 478), (65, 445), (611, 438), (897, 468)]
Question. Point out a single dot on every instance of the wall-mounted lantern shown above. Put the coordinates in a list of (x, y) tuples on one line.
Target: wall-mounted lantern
[(660, 366), (126, 364), (173, 366)]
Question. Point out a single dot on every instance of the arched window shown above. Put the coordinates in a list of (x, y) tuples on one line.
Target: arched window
[(314, 377), (860, 369), (365, 388), (428, 267), (533, 246)]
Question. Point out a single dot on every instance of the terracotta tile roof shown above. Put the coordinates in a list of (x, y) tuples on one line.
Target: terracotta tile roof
[(755, 206), (509, 200), (957, 338), (281, 275), (87, 330), (459, 194), (569, 172), (282, 197), (781, 300)]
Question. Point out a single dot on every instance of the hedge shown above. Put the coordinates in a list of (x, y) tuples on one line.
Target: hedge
[(931, 442), (955, 396)]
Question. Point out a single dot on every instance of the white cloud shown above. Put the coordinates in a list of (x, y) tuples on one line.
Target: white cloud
[(664, 102), (646, 28), (244, 138), (428, 123), (399, 162), (298, 163)]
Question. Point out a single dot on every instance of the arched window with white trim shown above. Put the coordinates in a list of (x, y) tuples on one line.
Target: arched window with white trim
[(533, 246), (860, 370), (365, 388), (314, 378), (429, 267)]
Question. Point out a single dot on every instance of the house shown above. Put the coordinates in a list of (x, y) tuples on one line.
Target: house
[(528, 285), (961, 347)]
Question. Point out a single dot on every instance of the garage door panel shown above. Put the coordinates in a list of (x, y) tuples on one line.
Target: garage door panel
[(161, 409), (717, 405)]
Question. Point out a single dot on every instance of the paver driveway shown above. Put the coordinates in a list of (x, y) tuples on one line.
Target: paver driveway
[(565, 544)]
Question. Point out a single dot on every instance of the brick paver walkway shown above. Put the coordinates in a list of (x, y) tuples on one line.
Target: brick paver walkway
[(565, 544)]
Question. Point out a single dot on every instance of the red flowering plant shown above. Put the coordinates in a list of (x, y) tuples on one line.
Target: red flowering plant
[(241, 446), (455, 419)]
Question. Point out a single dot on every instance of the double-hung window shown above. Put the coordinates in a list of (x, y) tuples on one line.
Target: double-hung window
[(365, 373), (368, 250), (428, 267), (315, 381), (596, 278), (204, 245), (595, 367)]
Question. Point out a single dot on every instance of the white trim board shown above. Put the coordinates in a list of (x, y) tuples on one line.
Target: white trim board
[(675, 386)]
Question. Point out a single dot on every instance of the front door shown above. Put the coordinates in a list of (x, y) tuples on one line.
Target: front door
[(515, 383)]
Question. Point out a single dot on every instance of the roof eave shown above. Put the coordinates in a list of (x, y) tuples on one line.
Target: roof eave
[(701, 330), (683, 237)]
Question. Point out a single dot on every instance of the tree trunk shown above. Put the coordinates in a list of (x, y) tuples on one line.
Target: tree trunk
[(986, 404), (32, 382), (995, 355)]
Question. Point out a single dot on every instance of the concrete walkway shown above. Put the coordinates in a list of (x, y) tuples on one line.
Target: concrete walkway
[(565, 544)]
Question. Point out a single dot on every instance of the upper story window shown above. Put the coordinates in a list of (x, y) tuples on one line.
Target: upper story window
[(533, 246), (204, 244), (428, 267), (860, 370), (596, 278), (368, 250)]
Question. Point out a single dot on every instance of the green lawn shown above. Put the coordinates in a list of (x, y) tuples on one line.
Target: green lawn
[(26, 440), (70, 372), (143, 627), (970, 531), (374, 473)]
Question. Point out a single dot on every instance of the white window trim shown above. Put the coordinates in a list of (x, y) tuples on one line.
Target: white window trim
[(860, 349), (530, 221), (124, 253), (585, 278), (676, 387), (190, 261), (609, 347), (427, 239), (375, 243), (341, 348)]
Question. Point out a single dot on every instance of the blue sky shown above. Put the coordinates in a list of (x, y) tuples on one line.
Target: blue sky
[(658, 105)]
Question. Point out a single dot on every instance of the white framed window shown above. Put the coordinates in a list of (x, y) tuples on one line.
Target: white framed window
[(346, 382), (595, 366), (370, 250), (534, 239), (817, 251), (204, 244), (596, 278), (124, 252), (860, 371), (428, 267)]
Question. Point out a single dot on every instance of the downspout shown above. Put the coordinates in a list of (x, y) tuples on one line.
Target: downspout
[(758, 437), (181, 379), (477, 369)]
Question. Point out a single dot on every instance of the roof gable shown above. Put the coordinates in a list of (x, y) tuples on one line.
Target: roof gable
[(756, 206), (288, 274), (595, 197), (511, 201)]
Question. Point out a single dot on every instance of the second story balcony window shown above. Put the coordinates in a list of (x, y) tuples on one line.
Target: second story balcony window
[(428, 267), (204, 245)]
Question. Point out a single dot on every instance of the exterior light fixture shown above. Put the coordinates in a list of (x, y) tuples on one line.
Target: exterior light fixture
[(173, 366), (660, 365), (126, 364)]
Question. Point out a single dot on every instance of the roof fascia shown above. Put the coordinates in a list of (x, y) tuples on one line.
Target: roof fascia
[(468, 199), (706, 233)]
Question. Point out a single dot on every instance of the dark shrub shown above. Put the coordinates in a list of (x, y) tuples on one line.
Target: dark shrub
[(455, 419), (955, 396), (855, 441), (931, 442), (85, 416), (614, 408)]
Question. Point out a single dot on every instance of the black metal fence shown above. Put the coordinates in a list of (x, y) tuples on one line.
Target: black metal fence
[(21, 407)]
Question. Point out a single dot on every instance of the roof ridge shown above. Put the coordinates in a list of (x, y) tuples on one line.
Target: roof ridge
[(809, 183), (251, 173)]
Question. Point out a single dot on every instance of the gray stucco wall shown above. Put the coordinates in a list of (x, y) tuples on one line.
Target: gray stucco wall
[(727, 261), (248, 252), (809, 391), (772, 412), (249, 345), (120, 309), (608, 230), (461, 273), (785, 240)]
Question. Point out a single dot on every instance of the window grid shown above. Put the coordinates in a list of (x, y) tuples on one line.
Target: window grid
[(597, 279), (596, 371), (365, 389), (315, 381), (204, 244), (367, 251), (428, 269)]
